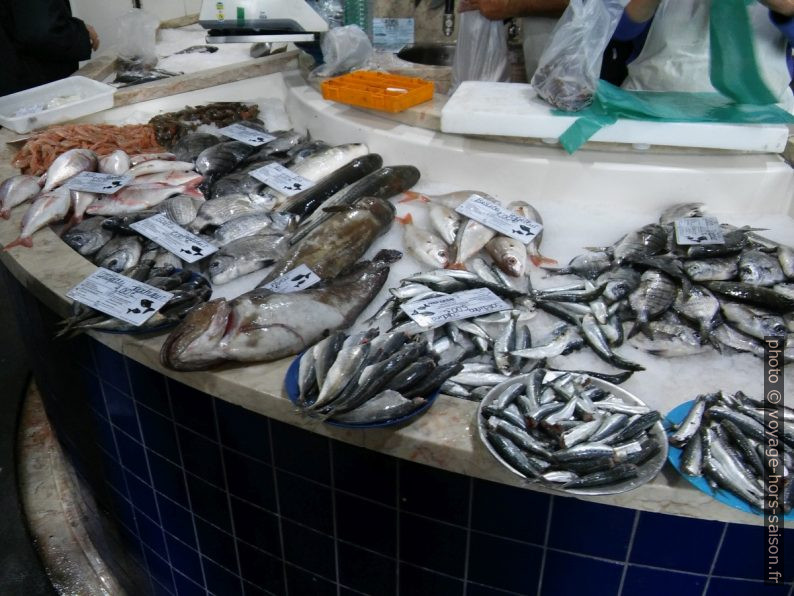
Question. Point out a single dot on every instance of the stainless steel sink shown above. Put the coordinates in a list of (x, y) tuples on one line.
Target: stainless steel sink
[(432, 54)]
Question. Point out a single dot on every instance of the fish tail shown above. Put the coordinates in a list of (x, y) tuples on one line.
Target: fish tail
[(538, 260), (410, 195), (636, 328), (457, 266), (405, 220), (557, 270), (21, 241)]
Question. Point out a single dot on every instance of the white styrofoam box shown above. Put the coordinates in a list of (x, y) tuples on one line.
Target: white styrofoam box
[(515, 110), (95, 97)]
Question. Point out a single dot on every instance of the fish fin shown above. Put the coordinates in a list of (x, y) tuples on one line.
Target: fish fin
[(387, 256), (5, 213), (636, 328), (21, 241), (405, 220), (410, 195), (557, 270), (538, 260), (457, 266)]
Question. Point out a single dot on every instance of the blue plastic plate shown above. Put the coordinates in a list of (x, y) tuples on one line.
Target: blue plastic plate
[(293, 392), (675, 416)]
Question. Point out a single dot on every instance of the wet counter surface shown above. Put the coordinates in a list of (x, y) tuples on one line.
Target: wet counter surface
[(444, 437)]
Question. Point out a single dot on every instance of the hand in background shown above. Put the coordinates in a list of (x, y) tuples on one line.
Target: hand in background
[(495, 10), (783, 7), (92, 34)]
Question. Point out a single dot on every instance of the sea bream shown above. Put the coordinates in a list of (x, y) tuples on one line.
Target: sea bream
[(48, 208), (262, 326), (116, 163), (246, 255), (428, 248), (140, 197), (15, 191), (67, 165)]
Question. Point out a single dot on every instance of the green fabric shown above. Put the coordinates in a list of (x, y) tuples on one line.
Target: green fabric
[(611, 102), (743, 99), (734, 70)]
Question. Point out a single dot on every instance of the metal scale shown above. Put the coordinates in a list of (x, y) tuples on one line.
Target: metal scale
[(274, 21)]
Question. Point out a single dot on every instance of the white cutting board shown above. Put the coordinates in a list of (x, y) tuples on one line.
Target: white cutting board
[(515, 110)]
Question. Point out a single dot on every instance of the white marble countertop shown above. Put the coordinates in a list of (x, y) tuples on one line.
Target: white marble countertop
[(444, 437)]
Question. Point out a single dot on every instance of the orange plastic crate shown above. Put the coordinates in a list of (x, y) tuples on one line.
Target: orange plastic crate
[(378, 90)]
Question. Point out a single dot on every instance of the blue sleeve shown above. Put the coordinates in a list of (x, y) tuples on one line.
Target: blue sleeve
[(784, 24), (628, 29)]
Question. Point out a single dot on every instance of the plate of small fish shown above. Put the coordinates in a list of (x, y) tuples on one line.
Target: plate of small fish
[(366, 380), (714, 443), (572, 433)]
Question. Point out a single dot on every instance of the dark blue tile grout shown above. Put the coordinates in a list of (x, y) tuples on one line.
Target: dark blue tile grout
[(150, 483), (715, 558), (397, 545), (495, 589), (213, 402), (167, 388), (545, 547), (629, 548), (172, 592), (136, 532), (279, 522), (333, 516), (320, 575), (467, 549), (191, 580), (268, 592)]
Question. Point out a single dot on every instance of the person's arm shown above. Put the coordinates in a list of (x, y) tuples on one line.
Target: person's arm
[(497, 10), (635, 20), (45, 28)]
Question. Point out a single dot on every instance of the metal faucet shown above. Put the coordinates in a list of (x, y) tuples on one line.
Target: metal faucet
[(449, 17)]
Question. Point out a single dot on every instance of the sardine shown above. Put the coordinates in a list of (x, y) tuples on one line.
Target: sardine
[(387, 405), (15, 191), (264, 326), (564, 339)]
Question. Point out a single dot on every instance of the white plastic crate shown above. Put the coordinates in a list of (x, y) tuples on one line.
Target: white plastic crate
[(95, 97)]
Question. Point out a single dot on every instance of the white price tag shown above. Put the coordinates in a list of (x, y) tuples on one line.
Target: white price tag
[(105, 184), (174, 238), (433, 312), (281, 179), (299, 278), (392, 33), (119, 296), (698, 230), (246, 134), (500, 219)]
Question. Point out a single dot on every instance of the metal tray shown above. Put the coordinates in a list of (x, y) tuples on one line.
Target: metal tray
[(647, 471)]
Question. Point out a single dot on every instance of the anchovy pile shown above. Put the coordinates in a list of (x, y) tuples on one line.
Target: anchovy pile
[(189, 290), (682, 298), (369, 378), (562, 430), (723, 439)]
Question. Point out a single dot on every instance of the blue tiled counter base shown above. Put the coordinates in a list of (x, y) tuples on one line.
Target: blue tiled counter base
[(212, 498)]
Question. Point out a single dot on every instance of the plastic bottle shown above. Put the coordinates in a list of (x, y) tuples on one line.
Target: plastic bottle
[(359, 12), (246, 10)]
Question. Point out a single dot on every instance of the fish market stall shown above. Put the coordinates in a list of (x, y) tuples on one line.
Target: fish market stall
[(221, 471)]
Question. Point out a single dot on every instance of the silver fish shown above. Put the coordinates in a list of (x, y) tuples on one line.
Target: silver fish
[(669, 340), (698, 305), (170, 177), (120, 253), (69, 164), (49, 207), (785, 255), (681, 210), (588, 265), (245, 255), (181, 209), (423, 244), (156, 166), (139, 198), (253, 223), (218, 211), (346, 366), (142, 157), (648, 241), (509, 254), (189, 147), (116, 163), (472, 236), (564, 339), (690, 425), (760, 268), (524, 209), (88, 236), (15, 191), (654, 296), (445, 221), (387, 405), (80, 202), (264, 326), (754, 324)]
